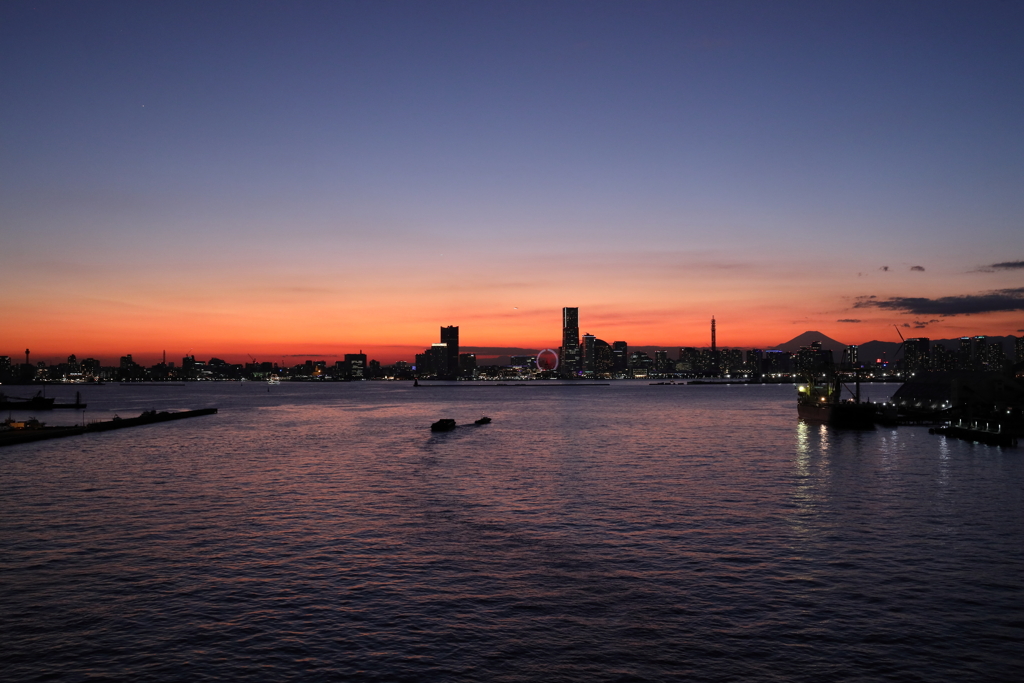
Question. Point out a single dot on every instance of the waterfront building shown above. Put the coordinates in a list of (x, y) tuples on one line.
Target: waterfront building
[(450, 338), (688, 359), (777, 362), (713, 362), (942, 359), (994, 356), (755, 359), (979, 356), (569, 365), (620, 356), (439, 360), (813, 358), (424, 366), (467, 365), (661, 362), (1018, 350), (916, 354), (603, 359), (640, 364), (355, 366), (587, 354), (964, 356), (853, 355), (730, 360), (525, 362)]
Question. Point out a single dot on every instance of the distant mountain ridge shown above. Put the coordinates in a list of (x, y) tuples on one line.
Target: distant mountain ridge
[(880, 350), (807, 338)]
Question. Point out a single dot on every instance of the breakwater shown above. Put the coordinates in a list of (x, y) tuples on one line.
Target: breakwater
[(16, 436)]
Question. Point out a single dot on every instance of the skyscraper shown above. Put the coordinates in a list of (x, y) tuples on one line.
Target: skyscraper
[(964, 356), (587, 354), (450, 337), (439, 361), (570, 362), (620, 356), (916, 354)]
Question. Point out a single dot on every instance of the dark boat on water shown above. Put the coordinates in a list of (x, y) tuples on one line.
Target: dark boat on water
[(37, 402), (444, 425), (483, 421), (823, 408), (820, 399)]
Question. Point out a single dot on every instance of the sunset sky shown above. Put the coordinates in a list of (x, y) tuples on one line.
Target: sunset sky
[(278, 178)]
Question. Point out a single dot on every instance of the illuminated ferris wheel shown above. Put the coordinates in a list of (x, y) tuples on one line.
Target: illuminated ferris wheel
[(547, 360)]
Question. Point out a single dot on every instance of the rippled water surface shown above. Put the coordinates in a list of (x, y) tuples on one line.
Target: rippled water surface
[(619, 533)]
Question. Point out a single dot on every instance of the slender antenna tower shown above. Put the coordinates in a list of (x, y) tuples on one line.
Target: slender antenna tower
[(713, 347)]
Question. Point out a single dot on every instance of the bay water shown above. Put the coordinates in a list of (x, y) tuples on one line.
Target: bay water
[(626, 532)]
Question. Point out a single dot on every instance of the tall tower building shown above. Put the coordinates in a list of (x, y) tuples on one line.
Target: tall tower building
[(450, 337), (715, 366), (570, 362)]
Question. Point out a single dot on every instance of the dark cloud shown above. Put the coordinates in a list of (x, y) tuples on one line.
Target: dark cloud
[(885, 268), (917, 268), (1005, 265), (848, 320), (499, 350), (989, 302), (906, 324)]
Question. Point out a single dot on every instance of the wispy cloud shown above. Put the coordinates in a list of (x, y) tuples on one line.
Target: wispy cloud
[(917, 268), (848, 320), (988, 302), (1004, 265)]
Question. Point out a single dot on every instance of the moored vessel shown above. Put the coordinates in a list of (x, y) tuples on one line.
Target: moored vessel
[(820, 399), (37, 402)]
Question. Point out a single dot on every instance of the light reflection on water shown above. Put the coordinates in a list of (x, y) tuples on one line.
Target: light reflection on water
[(623, 532)]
